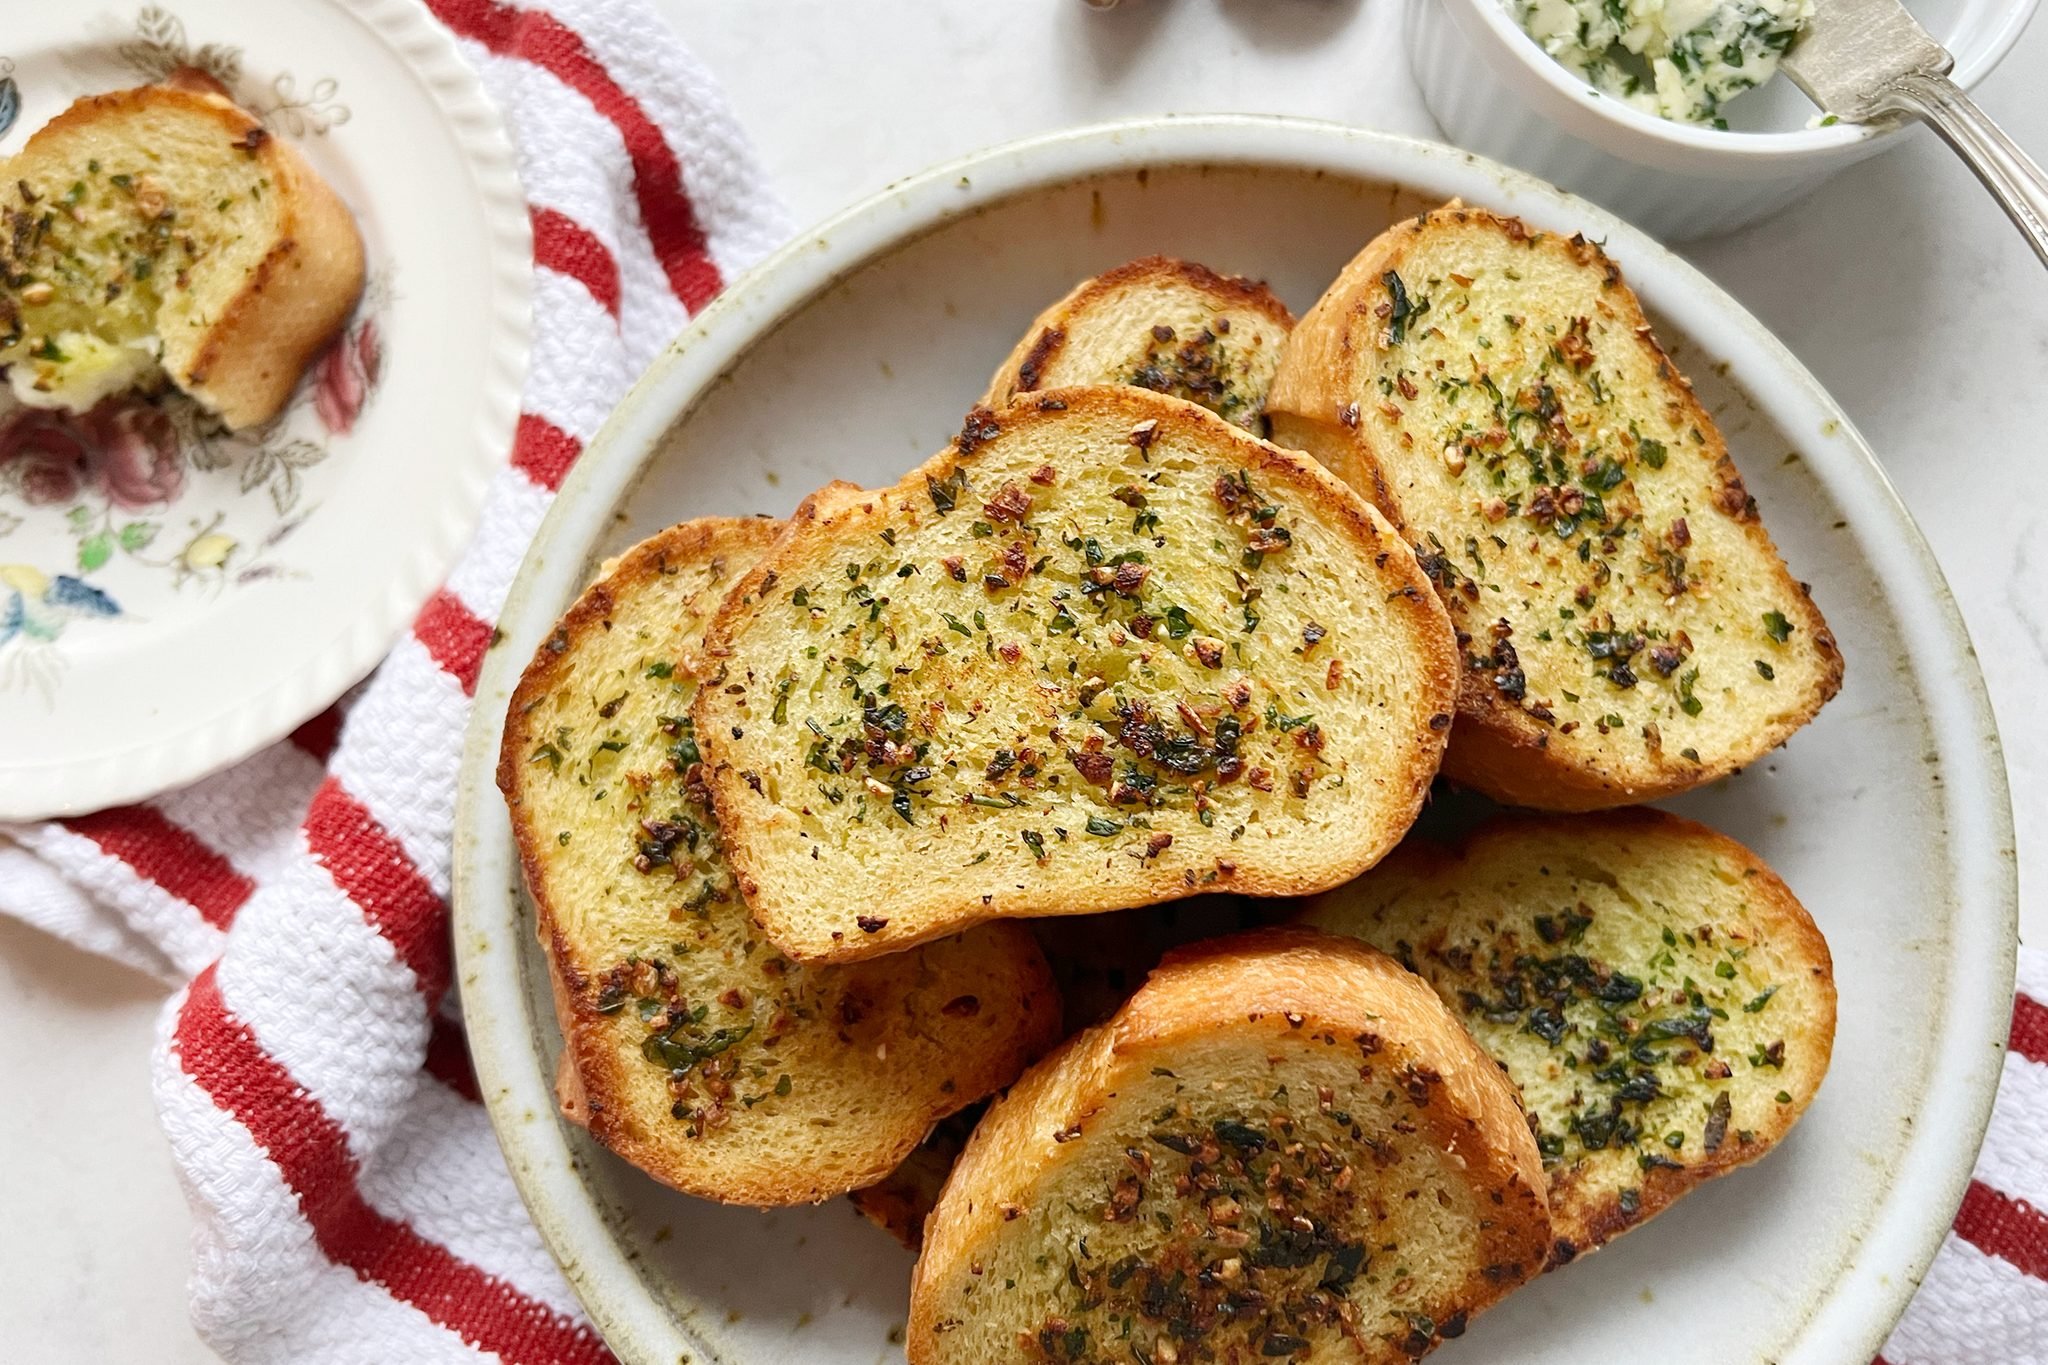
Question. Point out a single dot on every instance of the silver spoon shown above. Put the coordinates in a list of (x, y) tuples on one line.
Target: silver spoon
[(1862, 60)]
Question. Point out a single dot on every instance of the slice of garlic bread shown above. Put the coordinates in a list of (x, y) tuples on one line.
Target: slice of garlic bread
[(693, 1048), (1283, 1148), (1627, 627), (1103, 651), (164, 231), (1665, 1005), (1162, 324)]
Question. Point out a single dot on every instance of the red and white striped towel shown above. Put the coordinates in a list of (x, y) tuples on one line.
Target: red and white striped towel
[(351, 1203)]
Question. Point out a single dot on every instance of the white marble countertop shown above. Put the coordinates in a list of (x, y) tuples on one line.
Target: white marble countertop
[(1898, 283)]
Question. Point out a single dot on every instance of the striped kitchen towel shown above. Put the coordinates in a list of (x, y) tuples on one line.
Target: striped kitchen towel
[(351, 1203)]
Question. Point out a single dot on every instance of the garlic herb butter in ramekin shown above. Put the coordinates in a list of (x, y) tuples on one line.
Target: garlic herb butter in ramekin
[(1679, 59)]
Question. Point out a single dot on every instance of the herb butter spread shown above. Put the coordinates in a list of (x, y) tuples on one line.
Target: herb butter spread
[(1679, 59)]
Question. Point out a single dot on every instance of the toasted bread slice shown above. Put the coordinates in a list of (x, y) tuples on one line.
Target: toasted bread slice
[(1284, 1147), (693, 1049), (1162, 324), (1628, 629), (164, 231), (1105, 650), (1663, 1002)]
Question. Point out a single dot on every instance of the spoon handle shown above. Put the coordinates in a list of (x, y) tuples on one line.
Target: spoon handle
[(2013, 177)]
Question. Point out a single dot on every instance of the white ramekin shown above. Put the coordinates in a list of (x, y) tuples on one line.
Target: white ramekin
[(1495, 91)]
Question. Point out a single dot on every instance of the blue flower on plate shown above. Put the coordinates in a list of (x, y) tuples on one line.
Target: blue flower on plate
[(38, 607)]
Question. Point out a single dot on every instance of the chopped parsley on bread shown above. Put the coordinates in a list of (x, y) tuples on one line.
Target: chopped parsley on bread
[(1105, 650), (1662, 1001), (1283, 1147), (692, 1047), (163, 232), (1168, 325), (1626, 627)]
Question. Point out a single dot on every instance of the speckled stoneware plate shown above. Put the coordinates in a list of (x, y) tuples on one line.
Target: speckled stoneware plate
[(172, 597), (853, 353)]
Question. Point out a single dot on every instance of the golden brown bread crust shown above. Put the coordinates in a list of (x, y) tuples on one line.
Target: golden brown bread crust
[(301, 293), (1046, 337), (1289, 984), (1417, 616), (1584, 1214), (296, 303), (1496, 746), (594, 1078)]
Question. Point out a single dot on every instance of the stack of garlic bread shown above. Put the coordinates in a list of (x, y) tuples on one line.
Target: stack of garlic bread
[(693, 1047), (1109, 649)]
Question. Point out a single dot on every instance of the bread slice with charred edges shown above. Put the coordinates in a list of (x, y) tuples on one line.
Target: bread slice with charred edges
[(1283, 1147), (692, 1047), (1663, 1002), (1105, 650), (1158, 323), (1628, 630)]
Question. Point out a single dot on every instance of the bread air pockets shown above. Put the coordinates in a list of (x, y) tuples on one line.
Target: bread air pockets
[(1626, 628), (1664, 1004), (692, 1048), (1103, 651)]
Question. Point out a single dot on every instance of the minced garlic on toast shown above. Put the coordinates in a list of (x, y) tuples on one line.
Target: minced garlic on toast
[(693, 1048), (1168, 325), (1105, 650), (1663, 1002), (1283, 1147), (164, 231), (1627, 628)]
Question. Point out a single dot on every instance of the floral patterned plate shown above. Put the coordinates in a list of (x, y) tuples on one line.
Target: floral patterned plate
[(172, 595)]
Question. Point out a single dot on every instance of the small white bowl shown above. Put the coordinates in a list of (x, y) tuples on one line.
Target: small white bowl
[(1495, 91)]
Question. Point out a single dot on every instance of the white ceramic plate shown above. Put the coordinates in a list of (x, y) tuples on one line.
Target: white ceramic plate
[(171, 599), (853, 353)]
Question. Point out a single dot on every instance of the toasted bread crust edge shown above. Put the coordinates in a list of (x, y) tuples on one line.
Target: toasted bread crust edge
[(588, 1065), (1047, 334), (1496, 748), (299, 296), (290, 309), (1576, 1231), (1252, 980), (580, 1051), (1414, 601)]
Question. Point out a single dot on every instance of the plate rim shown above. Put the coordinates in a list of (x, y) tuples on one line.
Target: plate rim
[(178, 756), (1852, 1319)]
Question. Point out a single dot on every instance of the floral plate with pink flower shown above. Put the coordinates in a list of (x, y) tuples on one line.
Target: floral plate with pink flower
[(174, 595)]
